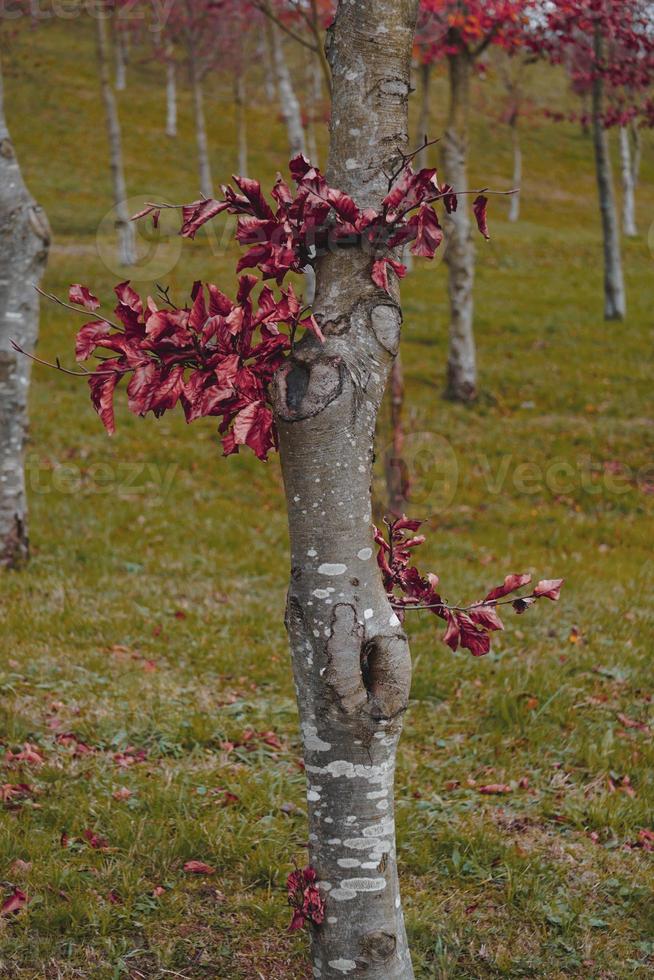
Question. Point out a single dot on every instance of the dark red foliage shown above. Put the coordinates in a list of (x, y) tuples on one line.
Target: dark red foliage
[(467, 627), (214, 357), (304, 898), (318, 218)]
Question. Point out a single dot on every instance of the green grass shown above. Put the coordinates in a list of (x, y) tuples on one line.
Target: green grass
[(151, 614)]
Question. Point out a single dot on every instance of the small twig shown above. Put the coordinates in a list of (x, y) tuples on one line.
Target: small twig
[(465, 609), (76, 309), (57, 366)]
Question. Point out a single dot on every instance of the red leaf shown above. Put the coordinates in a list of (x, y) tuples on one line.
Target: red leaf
[(380, 272), (88, 337), (197, 214), (549, 588), (253, 427), (199, 868), (82, 296), (479, 207), (103, 384), (428, 232), (511, 583), (16, 901)]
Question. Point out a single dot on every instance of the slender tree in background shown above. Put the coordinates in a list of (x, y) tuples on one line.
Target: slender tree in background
[(289, 104), (608, 49), (124, 227), (24, 242), (460, 31)]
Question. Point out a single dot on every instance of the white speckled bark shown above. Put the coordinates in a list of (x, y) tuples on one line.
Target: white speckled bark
[(351, 659), (24, 241)]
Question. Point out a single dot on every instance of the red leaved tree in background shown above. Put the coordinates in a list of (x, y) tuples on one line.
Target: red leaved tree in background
[(276, 374), (460, 31), (608, 48)]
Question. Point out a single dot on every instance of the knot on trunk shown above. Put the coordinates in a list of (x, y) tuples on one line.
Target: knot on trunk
[(369, 678), (14, 549), (379, 947), (386, 321), (302, 388)]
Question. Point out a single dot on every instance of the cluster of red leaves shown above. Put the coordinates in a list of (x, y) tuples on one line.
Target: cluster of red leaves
[(451, 27), (304, 898), (319, 218), (216, 357), (565, 34), (468, 627)]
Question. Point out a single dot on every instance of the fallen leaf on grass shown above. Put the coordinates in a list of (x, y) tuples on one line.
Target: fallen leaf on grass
[(95, 841), (14, 791), (28, 754), (494, 789), (16, 901), (122, 794), (626, 722), (199, 868), (20, 867)]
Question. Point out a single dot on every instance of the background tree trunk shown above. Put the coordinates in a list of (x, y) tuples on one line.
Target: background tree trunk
[(397, 479), (204, 166), (288, 102), (514, 200), (350, 656), (24, 241), (615, 306), (124, 227), (423, 118), (314, 101), (171, 94), (241, 123), (636, 150), (121, 59), (459, 255), (264, 51), (628, 188)]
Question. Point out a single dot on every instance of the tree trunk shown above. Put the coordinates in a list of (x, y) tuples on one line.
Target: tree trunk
[(614, 292), (637, 151), (121, 60), (241, 123), (204, 166), (24, 241), (514, 200), (288, 103), (397, 477), (350, 656), (124, 227), (264, 52), (423, 118), (314, 100), (459, 255), (628, 189), (171, 96)]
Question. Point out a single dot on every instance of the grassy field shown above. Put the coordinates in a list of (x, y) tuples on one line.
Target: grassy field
[(144, 658)]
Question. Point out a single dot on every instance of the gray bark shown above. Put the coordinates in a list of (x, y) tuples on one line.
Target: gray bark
[(124, 227), (241, 123), (121, 61), (288, 102), (514, 200), (628, 188), (637, 151), (314, 99), (171, 97), (423, 118), (24, 241), (204, 166), (350, 656), (460, 254), (615, 306), (264, 52)]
